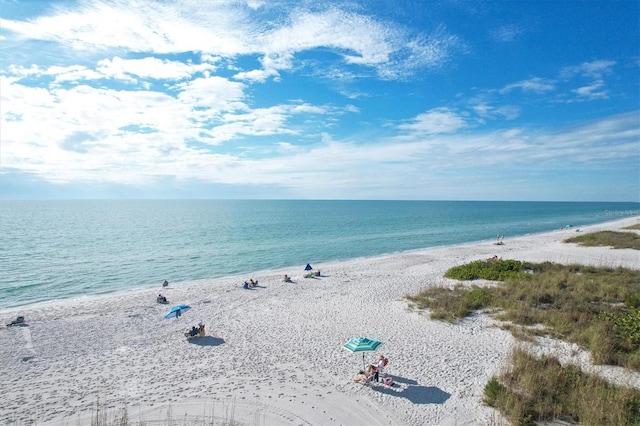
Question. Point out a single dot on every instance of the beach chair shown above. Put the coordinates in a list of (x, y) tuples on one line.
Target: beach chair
[(199, 332), (379, 371)]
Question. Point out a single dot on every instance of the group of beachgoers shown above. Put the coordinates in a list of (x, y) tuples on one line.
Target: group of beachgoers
[(287, 279), (312, 274), (373, 372), (250, 284), (196, 331)]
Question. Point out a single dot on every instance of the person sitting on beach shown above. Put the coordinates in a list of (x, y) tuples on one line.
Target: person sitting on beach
[(161, 299), (287, 279), (317, 273), (245, 285), (194, 331), (379, 368), (253, 283), (18, 321), (366, 375)]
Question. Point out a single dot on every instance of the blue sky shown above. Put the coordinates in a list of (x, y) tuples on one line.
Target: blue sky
[(430, 100)]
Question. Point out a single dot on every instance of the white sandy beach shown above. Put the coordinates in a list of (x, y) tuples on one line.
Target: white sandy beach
[(273, 355)]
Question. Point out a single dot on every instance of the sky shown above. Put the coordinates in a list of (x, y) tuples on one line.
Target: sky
[(365, 99)]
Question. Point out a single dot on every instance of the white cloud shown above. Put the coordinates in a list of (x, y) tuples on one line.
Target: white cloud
[(484, 110), (592, 91), (150, 67), (594, 70), (216, 93), (507, 33), (510, 112), (228, 29), (439, 120), (141, 27), (259, 76), (536, 85), (360, 39)]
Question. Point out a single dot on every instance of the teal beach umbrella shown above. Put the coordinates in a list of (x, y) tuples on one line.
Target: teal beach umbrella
[(176, 311), (362, 344)]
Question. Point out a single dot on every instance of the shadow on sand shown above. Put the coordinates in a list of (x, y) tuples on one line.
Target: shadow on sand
[(404, 380), (415, 393), (207, 341)]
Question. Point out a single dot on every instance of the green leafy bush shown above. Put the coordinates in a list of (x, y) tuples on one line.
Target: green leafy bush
[(492, 391), (495, 270), (627, 325)]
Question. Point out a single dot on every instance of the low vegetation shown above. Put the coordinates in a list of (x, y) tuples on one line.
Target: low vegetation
[(537, 390), (597, 308), (617, 240), (636, 226)]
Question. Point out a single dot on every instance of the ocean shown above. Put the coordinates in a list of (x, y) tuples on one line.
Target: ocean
[(51, 250)]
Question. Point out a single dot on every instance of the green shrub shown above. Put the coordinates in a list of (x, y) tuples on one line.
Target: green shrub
[(492, 391), (627, 325), (478, 298), (495, 270)]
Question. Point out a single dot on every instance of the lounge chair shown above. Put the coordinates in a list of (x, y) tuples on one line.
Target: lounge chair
[(379, 369)]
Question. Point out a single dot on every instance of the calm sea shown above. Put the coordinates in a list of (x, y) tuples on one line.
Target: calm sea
[(60, 249)]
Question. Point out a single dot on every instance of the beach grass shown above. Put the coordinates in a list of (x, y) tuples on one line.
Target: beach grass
[(617, 240), (119, 416), (636, 226), (596, 308), (534, 390)]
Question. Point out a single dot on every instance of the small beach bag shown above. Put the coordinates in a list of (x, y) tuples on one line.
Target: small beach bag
[(388, 381)]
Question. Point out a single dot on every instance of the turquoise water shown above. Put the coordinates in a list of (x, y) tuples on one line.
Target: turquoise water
[(59, 249)]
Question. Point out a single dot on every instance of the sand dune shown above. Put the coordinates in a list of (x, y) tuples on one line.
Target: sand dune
[(273, 354)]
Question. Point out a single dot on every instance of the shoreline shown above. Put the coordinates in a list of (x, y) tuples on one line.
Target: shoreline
[(266, 272), (273, 354)]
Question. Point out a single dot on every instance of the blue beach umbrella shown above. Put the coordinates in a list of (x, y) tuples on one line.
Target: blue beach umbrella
[(176, 311), (362, 344), (308, 267)]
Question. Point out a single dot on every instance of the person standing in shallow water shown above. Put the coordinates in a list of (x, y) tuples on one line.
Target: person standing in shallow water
[(165, 283)]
